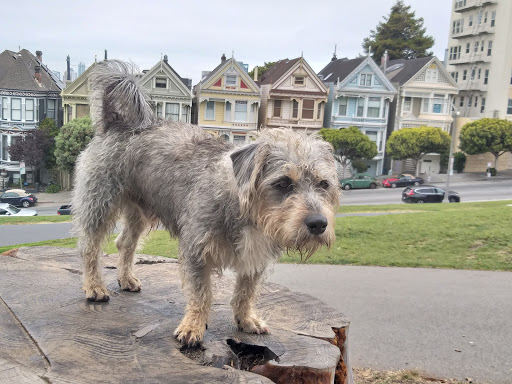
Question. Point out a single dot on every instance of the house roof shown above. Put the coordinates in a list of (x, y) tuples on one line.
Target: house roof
[(339, 69), (275, 72), (187, 82), (401, 70), (17, 72)]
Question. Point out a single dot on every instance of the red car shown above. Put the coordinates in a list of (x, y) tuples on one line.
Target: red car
[(402, 181)]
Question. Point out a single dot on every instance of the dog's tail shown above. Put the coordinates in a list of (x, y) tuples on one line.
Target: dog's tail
[(118, 101)]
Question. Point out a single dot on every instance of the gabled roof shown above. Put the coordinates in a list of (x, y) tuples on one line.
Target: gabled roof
[(17, 72), (78, 83), (185, 81), (409, 68), (277, 70), (183, 84), (339, 69), (224, 65)]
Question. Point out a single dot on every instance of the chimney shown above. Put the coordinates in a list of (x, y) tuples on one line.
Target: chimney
[(37, 74), (166, 59), (68, 76), (106, 57), (223, 59), (384, 61), (256, 73), (334, 53), (39, 56)]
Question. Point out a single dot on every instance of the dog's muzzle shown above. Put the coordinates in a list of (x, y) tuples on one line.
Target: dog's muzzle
[(316, 224)]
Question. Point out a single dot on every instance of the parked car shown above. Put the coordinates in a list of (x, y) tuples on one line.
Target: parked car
[(402, 180), (18, 198), (359, 180), (64, 210), (8, 210), (428, 194)]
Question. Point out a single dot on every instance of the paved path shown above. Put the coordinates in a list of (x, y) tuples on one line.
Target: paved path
[(448, 323)]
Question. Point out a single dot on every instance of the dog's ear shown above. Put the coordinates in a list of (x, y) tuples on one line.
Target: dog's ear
[(248, 162)]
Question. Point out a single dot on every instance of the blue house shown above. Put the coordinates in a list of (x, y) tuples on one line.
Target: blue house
[(359, 96)]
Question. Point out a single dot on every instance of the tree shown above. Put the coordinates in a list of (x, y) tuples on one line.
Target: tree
[(349, 144), (31, 148), (401, 34), (262, 69), (414, 143), (72, 139), (487, 135), (50, 128)]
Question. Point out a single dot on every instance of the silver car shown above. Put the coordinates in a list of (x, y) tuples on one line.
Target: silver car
[(8, 210)]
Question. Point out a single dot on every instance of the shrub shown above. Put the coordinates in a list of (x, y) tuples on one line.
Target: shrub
[(459, 161), (360, 165), (53, 188)]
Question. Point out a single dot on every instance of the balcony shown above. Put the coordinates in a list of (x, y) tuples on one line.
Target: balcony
[(240, 125), (278, 122), (358, 120), (480, 57), (476, 85), (467, 5), (476, 30)]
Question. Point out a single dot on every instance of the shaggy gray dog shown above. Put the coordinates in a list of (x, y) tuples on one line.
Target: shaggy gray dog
[(237, 208)]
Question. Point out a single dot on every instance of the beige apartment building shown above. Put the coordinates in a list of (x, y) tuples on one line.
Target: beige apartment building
[(480, 61)]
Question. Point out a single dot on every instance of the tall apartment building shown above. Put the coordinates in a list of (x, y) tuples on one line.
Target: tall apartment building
[(480, 58)]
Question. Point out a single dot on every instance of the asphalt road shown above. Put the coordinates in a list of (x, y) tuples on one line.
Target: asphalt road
[(468, 191)]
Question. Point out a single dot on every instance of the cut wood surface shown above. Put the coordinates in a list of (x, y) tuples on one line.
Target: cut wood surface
[(49, 333)]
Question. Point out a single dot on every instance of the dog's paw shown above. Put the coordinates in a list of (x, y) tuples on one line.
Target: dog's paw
[(190, 334), (252, 324), (129, 283), (96, 293)]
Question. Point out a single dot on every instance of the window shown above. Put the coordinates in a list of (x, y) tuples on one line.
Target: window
[(473, 72), (479, 73), (227, 112), (455, 76), (455, 52), (482, 46), (277, 108), (431, 76), (470, 20), (470, 101), (458, 52), (231, 80), (16, 109), (465, 74), (482, 105), (426, 104), (160, 82), (308, 107), (489, 48), (319, 111), (485, 17), (509, 107), (458, 26), (342, 110), (51, 109), (5, 109), (372, 135), (299, 80), (238, 139), (476, 101), (479, 17), (468, 47), (159, 110), (295, 109), (184, 113), (461, 103), (210, 110), (172, 111), (438, 103), (460, 3), (69, 111), (29, 110), (486, 76), (476, 46), (373, 107), (360, 107), (4, 147), (493, 18), (407, 104), (241, 111), (365, 80)]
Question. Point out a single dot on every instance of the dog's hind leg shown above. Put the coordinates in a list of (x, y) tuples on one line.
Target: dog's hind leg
[(134, 224), (244, 298), (196, 280)]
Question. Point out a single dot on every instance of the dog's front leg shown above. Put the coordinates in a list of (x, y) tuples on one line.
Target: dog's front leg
[(197, 283), (244, 298)]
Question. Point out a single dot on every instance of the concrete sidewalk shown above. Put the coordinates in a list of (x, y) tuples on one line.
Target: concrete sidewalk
[(63, 197), (463, 177)]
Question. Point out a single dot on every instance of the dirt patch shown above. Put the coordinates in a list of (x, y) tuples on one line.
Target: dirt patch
[(10, 252), (477, 244), (369, 376)]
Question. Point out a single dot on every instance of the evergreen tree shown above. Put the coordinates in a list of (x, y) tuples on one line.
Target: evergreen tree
[(401, 34), (71, 140)]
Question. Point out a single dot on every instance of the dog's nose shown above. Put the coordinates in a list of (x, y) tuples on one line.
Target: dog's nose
[(316, 224)]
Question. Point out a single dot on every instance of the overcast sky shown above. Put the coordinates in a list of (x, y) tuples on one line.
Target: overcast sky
[(194, 34)]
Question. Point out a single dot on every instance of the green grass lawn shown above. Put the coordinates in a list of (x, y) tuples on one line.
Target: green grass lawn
[(34, 219), (462, 236)]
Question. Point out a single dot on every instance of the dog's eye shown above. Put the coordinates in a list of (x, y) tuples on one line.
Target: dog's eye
[(284, 184), (324, 184)]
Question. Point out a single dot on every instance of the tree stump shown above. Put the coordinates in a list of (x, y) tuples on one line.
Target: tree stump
[(49, 333)]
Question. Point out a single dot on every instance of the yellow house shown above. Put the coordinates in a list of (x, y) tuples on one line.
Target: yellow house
[(227, 102), (75, 97)]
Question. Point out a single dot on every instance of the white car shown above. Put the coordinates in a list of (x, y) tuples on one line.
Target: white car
[(8, 210)]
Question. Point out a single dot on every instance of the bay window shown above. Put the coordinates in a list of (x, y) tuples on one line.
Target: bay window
[(241, 111), (373, 107)]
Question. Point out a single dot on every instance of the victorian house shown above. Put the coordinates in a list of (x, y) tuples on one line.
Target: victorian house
[(29, 93), (226, 102), (359, 96), (292, 95), (426, 92), (171, 94)]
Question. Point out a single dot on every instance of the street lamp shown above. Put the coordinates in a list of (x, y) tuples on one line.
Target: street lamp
[(456, 113)]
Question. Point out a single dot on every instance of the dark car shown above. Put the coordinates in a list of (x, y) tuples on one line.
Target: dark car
[(18, 198), (359, 180), (402, 181), (428, 194), (64, 210)]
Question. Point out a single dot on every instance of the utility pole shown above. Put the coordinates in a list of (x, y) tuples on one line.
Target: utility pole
[(450, 157)]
